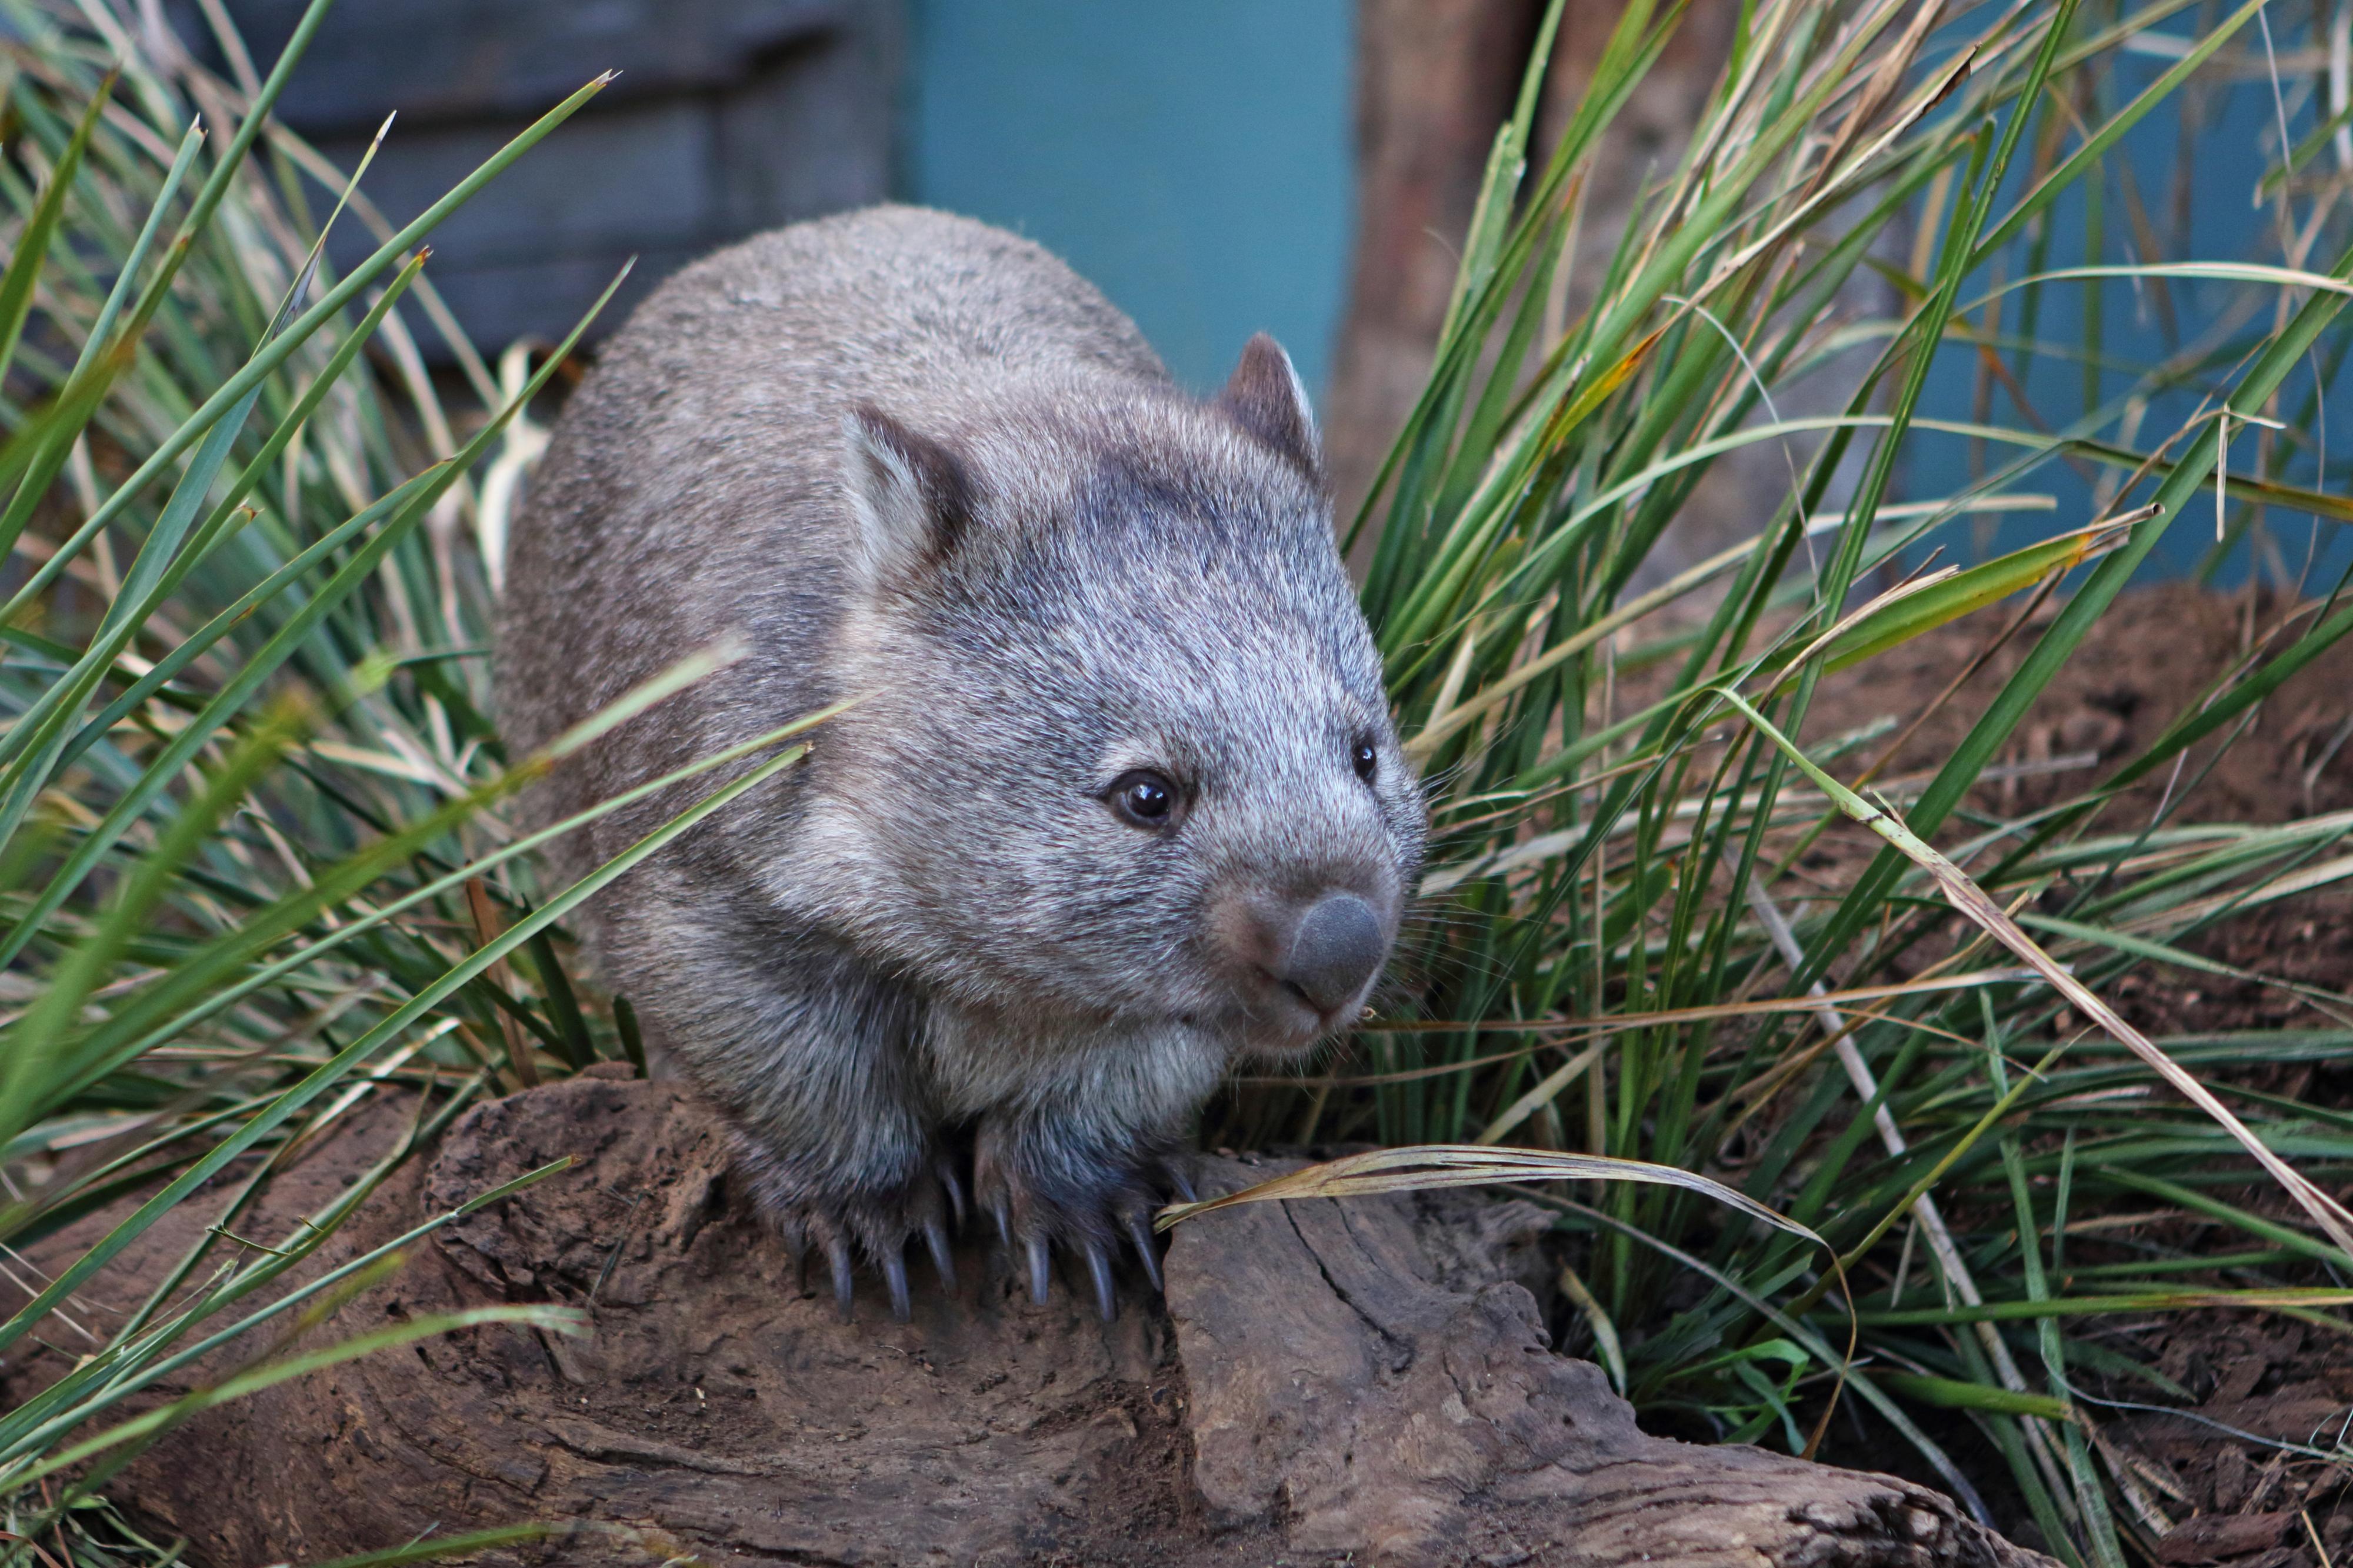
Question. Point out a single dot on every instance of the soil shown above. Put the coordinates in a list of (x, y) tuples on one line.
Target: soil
[(2154, 654)]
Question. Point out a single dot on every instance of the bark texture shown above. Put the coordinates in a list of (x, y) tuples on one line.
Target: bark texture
[(1434, 79), (1367, 1383)]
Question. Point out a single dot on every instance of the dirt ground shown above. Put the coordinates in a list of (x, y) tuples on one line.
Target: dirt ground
[(2220, 1476), (2157, 652)]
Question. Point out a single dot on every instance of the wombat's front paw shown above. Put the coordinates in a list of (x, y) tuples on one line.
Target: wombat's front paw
[(882, 1223), (1046, 1188)]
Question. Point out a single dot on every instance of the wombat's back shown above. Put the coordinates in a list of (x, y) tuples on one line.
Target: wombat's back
[(694, 485)]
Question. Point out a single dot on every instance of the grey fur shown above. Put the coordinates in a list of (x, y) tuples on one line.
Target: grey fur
[(919, 461)]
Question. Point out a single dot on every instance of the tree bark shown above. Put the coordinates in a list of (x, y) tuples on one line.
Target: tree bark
[(1435, 79), (1363, 1383)]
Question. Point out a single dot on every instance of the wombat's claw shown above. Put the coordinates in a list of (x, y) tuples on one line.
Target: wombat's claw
[(1050, 1193), (877, 1228), (1038, 1272), (1139, 1233), (935, 1239), (837, 1254), (1099, 1270), (1179, 1179), (955, 1190), (894, 1279)]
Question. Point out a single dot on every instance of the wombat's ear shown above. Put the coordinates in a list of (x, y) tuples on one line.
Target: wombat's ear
[(1265, 398), (908, 495)]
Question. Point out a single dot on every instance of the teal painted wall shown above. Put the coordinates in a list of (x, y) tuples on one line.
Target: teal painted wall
[(1192, 159)]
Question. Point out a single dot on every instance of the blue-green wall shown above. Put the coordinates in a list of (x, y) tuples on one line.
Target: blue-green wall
[(1192, 159), (2092, 340)]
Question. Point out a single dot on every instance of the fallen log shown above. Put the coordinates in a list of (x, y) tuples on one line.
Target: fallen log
[(1364, 1381)]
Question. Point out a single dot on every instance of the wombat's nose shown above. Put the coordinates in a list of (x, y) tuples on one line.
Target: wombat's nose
[(1336, 947)]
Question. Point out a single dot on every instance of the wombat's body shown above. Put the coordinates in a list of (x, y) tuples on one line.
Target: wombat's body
[(1118, 800)]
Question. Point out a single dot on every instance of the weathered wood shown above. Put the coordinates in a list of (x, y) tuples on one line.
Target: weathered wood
[(1363, 1372), (1364, 1383)]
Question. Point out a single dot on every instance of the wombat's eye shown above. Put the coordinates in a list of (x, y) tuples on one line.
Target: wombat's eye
[(1367, 759), (1144, 799)]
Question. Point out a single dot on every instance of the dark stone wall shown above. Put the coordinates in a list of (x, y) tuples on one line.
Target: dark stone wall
[(728, 117)]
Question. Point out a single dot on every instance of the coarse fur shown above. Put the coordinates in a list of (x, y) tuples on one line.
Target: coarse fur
[(917, 462)]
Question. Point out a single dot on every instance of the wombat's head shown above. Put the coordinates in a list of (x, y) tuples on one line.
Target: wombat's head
[(1125, 752)]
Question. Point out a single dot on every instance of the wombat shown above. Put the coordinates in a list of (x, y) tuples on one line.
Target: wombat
[(1117, 802)]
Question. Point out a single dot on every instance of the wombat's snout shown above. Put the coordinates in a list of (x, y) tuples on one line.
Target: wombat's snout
[(1334, 951), (1302, 963)]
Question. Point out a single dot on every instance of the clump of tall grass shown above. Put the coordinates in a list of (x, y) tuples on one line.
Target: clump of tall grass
[(1619, 958)]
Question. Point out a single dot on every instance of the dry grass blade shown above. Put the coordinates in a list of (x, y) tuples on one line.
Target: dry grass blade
[(1548, 1089), (1971, 901), (1429, 1165)]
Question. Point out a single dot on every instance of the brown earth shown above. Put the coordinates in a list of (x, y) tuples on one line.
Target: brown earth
[(1364, 1383), (2156, 653)]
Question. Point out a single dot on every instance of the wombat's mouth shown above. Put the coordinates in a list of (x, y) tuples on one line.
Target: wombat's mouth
[(1284, 1021)]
